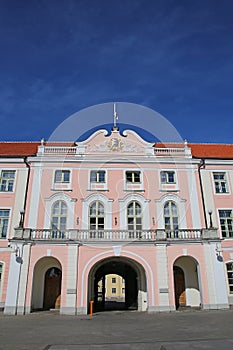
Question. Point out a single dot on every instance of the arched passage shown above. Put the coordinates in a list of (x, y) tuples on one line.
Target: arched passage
[(134, 278), (46, 288), (186, 282)]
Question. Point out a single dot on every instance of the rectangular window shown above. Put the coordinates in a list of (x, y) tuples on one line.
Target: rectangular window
[(113, 290), (97, 176), (0, 279), (113, 280), (220, 183), (230, 277), (62, 176), (123, 290), (133, 176), (167, 177), (7, 180), (226, 223), (4, 219)]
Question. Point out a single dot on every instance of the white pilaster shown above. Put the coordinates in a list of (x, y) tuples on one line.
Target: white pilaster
[(194, 200), (13, 282), (162, 269), (35, 196), (71, 283), (215, 277), (23, 279)]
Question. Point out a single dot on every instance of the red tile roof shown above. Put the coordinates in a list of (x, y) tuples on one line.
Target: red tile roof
[(18, 149), (218, 151)]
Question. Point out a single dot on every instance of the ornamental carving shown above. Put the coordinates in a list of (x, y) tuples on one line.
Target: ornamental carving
[(115, 144)]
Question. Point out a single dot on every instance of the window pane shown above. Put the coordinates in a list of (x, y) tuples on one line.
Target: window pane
[(102, 176), (163, 177)]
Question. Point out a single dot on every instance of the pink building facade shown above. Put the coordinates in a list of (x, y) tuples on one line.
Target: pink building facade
[(160, 216)]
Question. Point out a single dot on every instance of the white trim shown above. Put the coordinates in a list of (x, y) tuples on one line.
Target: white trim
[(134, 186), (181, 206), (218, 221), (61, 186), (97, 186), (9, 223), (107, 210), (226, 180), (14, 183), (70, 202), (145, 210)]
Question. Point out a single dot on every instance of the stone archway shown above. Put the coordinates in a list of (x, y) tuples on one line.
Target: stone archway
[(46, 288), (134, 278)]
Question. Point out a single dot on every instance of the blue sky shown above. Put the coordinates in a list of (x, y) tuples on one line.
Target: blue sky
[(60, 56)]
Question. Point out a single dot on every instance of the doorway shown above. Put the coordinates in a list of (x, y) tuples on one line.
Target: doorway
[(52, 289), (179, 281)]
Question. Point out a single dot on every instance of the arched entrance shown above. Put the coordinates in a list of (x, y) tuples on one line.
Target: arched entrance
[(131, 274), (52, 289), (186, 282), (46, 288)]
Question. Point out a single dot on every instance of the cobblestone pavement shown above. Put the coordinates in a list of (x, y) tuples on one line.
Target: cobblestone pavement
[(118, 330)]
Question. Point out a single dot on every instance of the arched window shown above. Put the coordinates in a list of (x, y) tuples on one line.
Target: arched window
[(96, 218), (171, 220), (134, 218), (59, 219)]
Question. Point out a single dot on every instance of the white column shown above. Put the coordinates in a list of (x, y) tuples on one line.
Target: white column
[(23, 279), (13, 281), (71, 283)]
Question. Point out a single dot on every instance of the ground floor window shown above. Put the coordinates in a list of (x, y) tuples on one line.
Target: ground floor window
[(230, 276)]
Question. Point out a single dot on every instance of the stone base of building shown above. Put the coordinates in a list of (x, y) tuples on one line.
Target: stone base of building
[(168, 308), (68, 311), (215, 306)]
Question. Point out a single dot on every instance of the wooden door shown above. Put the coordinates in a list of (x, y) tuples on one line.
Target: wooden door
[(179, 281), (52, 288)]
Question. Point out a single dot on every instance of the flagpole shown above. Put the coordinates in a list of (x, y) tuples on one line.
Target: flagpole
[(115, 116)]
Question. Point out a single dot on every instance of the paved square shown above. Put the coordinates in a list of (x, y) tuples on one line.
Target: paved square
[(118, 330)]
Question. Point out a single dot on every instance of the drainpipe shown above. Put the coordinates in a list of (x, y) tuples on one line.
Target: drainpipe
[(202, 165)]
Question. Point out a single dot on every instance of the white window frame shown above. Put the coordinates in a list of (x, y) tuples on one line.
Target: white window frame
[(8, 223), (133, 186), (62, 185), (172, 230), (226, 224), (98, 177), (135, 216), (63, 172), (1, 279), (59, 216), (220, 181), (166, 173), (70, 202), (97, 216), (107, 207), (133, 173), (230, 285), (7, 180), (181, 205)]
